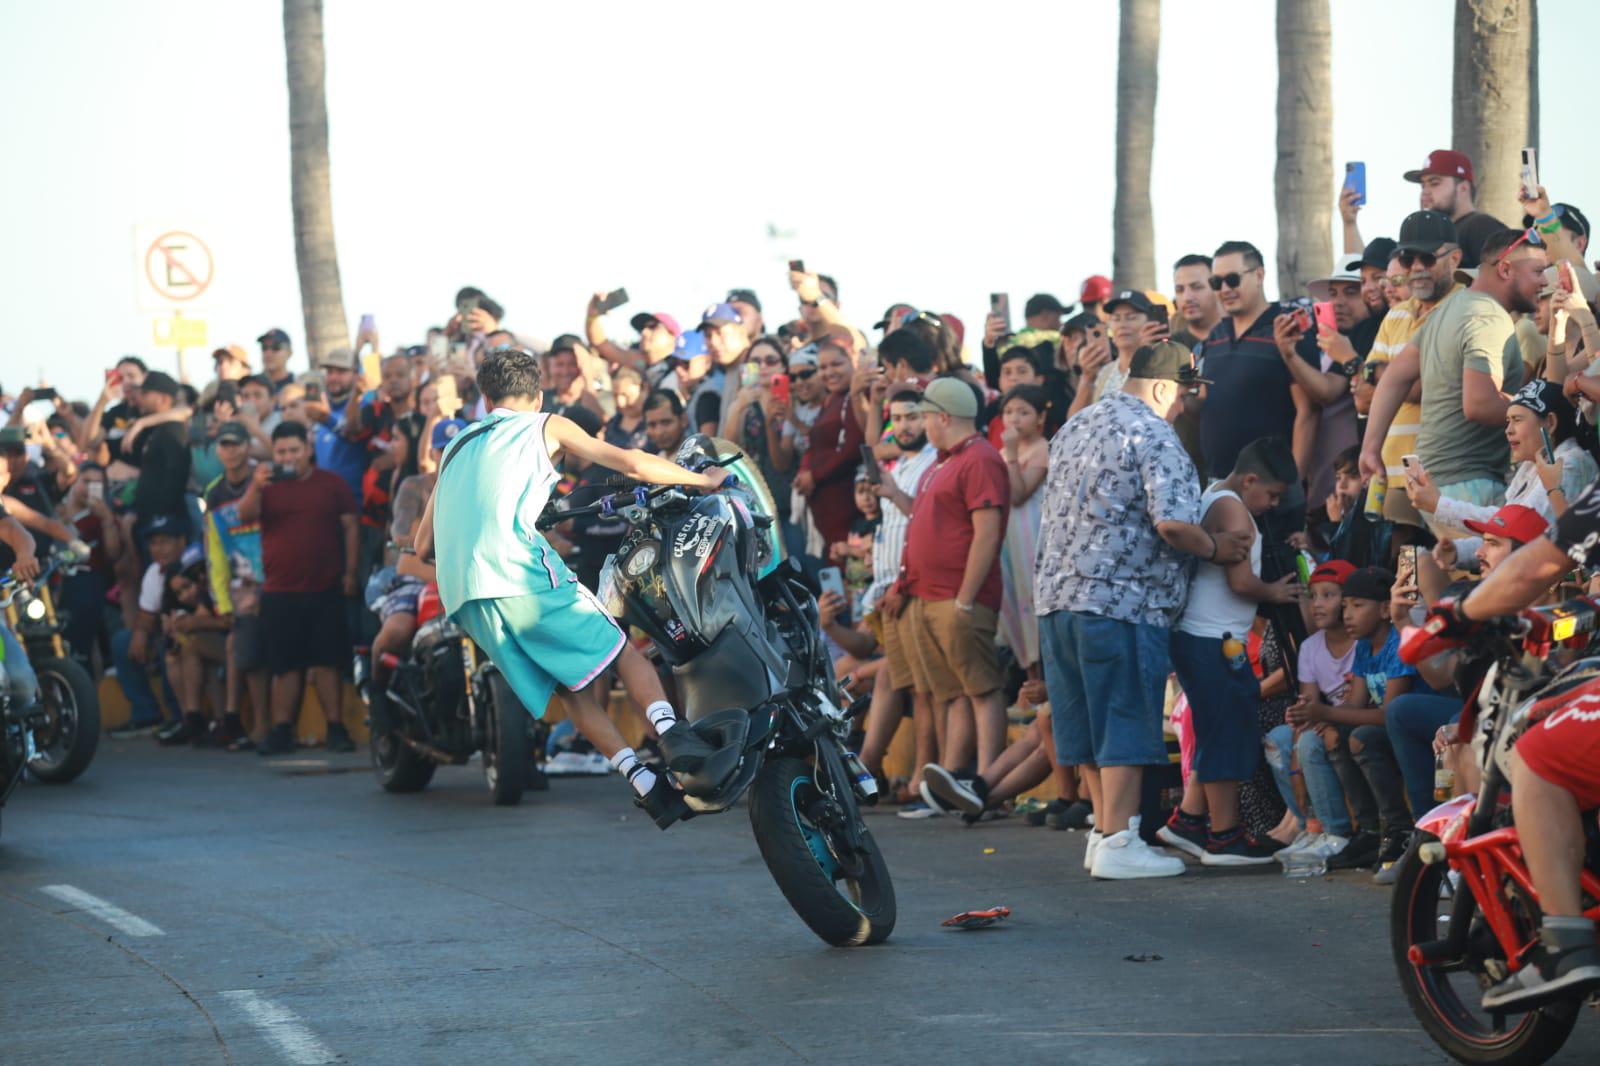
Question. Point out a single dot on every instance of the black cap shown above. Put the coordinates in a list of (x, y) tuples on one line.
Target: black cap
[(1041, 302), (1080, 321), (744, 296), (1166, 361), (1133, 298), (13, 437), (167, 525), (1427, 232), (1369, 583), (883, 323), (1378, 252), (158, 382), (1547, 398), (1571, 219), (567, 342), (233, 431), (274, 336)]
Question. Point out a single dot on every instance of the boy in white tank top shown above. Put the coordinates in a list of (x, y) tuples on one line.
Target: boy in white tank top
[(1224, 695)]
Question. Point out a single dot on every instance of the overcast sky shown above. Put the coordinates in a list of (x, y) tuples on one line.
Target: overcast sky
[(930, 152)]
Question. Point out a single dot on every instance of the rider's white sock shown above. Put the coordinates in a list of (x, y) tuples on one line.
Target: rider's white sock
[(640, 776), (661, 715)]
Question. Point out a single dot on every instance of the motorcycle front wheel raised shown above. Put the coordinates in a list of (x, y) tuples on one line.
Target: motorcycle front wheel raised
[(844, 911)]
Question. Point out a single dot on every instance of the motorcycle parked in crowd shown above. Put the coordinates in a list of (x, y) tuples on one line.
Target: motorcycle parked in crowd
[(707, 578), (447, 702), (55, 737), (1464, 913)]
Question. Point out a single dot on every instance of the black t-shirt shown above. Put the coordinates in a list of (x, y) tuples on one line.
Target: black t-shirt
[(114, 423), (162, 456), (1249, 397), (1472, 229), (1577, 532), (7, 555)]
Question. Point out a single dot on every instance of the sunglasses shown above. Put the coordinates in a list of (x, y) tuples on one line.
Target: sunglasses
[(1218, 281), (771, 360), (1530, 237), (274, 347), (803, 375), (1398, 280), (921, 316)]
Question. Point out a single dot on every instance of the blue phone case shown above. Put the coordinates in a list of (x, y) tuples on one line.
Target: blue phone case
[(1355, 177)]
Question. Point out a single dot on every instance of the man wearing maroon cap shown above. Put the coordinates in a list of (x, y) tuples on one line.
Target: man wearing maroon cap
[(1448, 187), (658, 335)]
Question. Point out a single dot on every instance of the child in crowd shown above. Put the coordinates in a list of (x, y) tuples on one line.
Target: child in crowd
[(1223, 691), (1027, 456), (1325, 661), (1379, 677), (854, 553), (197, 651)]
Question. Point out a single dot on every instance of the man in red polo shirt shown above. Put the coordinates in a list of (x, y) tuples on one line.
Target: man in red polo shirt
[(950, 575)]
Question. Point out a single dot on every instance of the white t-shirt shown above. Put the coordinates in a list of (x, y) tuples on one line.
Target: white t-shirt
[(1318, 664), (152, 589)]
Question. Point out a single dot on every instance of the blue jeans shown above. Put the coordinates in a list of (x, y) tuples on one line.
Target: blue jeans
[(1223, 709), (1322, 785), (1107, 682), (134, 681), (20, 678), (83, 597), (1412, 720), (1280, 756)]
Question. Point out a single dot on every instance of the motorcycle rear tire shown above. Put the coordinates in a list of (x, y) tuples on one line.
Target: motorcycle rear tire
[(508, 732), (81, 745), (813, 894), (406, 771), (1452, 1024)]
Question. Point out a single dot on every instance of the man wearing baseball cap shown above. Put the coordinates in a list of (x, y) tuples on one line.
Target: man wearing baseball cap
[(950, 576), (1448, 187), (1120, 519), (658, 333), (275, 352), (1095, 290), (748, 305), (1375, 260)]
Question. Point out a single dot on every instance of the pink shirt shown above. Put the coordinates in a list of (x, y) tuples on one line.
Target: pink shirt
[(1318, 664)]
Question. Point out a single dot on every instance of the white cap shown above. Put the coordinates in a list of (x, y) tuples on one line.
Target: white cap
[(1348, 268)]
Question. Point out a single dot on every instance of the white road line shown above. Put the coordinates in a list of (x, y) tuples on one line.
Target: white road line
[(110, 913), (282, 1028)]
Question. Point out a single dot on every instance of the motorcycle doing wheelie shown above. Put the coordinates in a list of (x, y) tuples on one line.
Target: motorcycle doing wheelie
[(1465, 914), (55, 736), (446, 702), (706, 577)]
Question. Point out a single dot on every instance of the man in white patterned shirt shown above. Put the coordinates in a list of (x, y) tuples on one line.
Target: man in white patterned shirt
[(898, 489)]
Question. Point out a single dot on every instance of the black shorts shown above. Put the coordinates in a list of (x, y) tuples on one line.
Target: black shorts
[(249, 651), (304, 629)]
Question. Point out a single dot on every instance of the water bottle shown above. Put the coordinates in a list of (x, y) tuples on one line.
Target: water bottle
[(866, 784), (1303, 867), (1234, 653)]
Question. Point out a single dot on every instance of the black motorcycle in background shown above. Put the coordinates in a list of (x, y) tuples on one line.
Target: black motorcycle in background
[(706, 577), (55, 737)]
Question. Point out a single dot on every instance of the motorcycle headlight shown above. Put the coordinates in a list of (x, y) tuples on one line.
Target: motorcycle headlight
[(33, 610)]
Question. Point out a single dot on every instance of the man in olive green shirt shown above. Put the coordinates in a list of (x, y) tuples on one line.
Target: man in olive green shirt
[(1467, 358)]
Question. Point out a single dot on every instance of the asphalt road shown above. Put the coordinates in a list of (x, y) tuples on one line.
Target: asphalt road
[(296, 913)]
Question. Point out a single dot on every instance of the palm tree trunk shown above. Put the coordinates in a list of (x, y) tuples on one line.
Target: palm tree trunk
[(321, 300), (1133, 254), (1304, 177), (1490, 115)]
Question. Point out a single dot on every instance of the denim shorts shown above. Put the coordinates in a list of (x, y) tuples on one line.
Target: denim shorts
[(1107, 683), (1223, 709)]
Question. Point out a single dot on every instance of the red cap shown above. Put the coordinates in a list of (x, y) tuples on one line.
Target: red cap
[(956, 327), (1096, 289), (1521, 524), (1333, 571), (1444, 162)]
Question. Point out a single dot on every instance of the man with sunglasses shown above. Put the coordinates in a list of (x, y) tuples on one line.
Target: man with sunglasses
[(1448, 187), (1253, 394), (275, 351), (1468, 361), (1427, 254)]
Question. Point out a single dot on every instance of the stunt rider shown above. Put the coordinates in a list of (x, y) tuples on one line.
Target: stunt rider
[(17, 557), (503, 583), (1555, 774)]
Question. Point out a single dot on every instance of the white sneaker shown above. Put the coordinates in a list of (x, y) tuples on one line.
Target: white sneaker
[(1304, 840), (1124, 856), (577, 764), (1094, 839)]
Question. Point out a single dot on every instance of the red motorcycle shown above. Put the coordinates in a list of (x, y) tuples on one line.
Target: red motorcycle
[(1465, 914)]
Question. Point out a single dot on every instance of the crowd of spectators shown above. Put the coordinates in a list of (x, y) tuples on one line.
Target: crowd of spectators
[(1066, 560)]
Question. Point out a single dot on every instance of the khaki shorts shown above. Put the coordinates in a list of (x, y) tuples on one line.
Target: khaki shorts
[(899, 650), (953, 651)]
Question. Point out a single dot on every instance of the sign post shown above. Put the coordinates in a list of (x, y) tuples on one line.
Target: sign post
[(175, 269)]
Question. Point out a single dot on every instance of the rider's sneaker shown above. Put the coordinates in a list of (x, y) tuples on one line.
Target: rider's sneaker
[(684, 749), (1125, 856), (1564, 965), (663, 803), (966, 796), (1361, 853), (1187, 836), (339, 738)]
